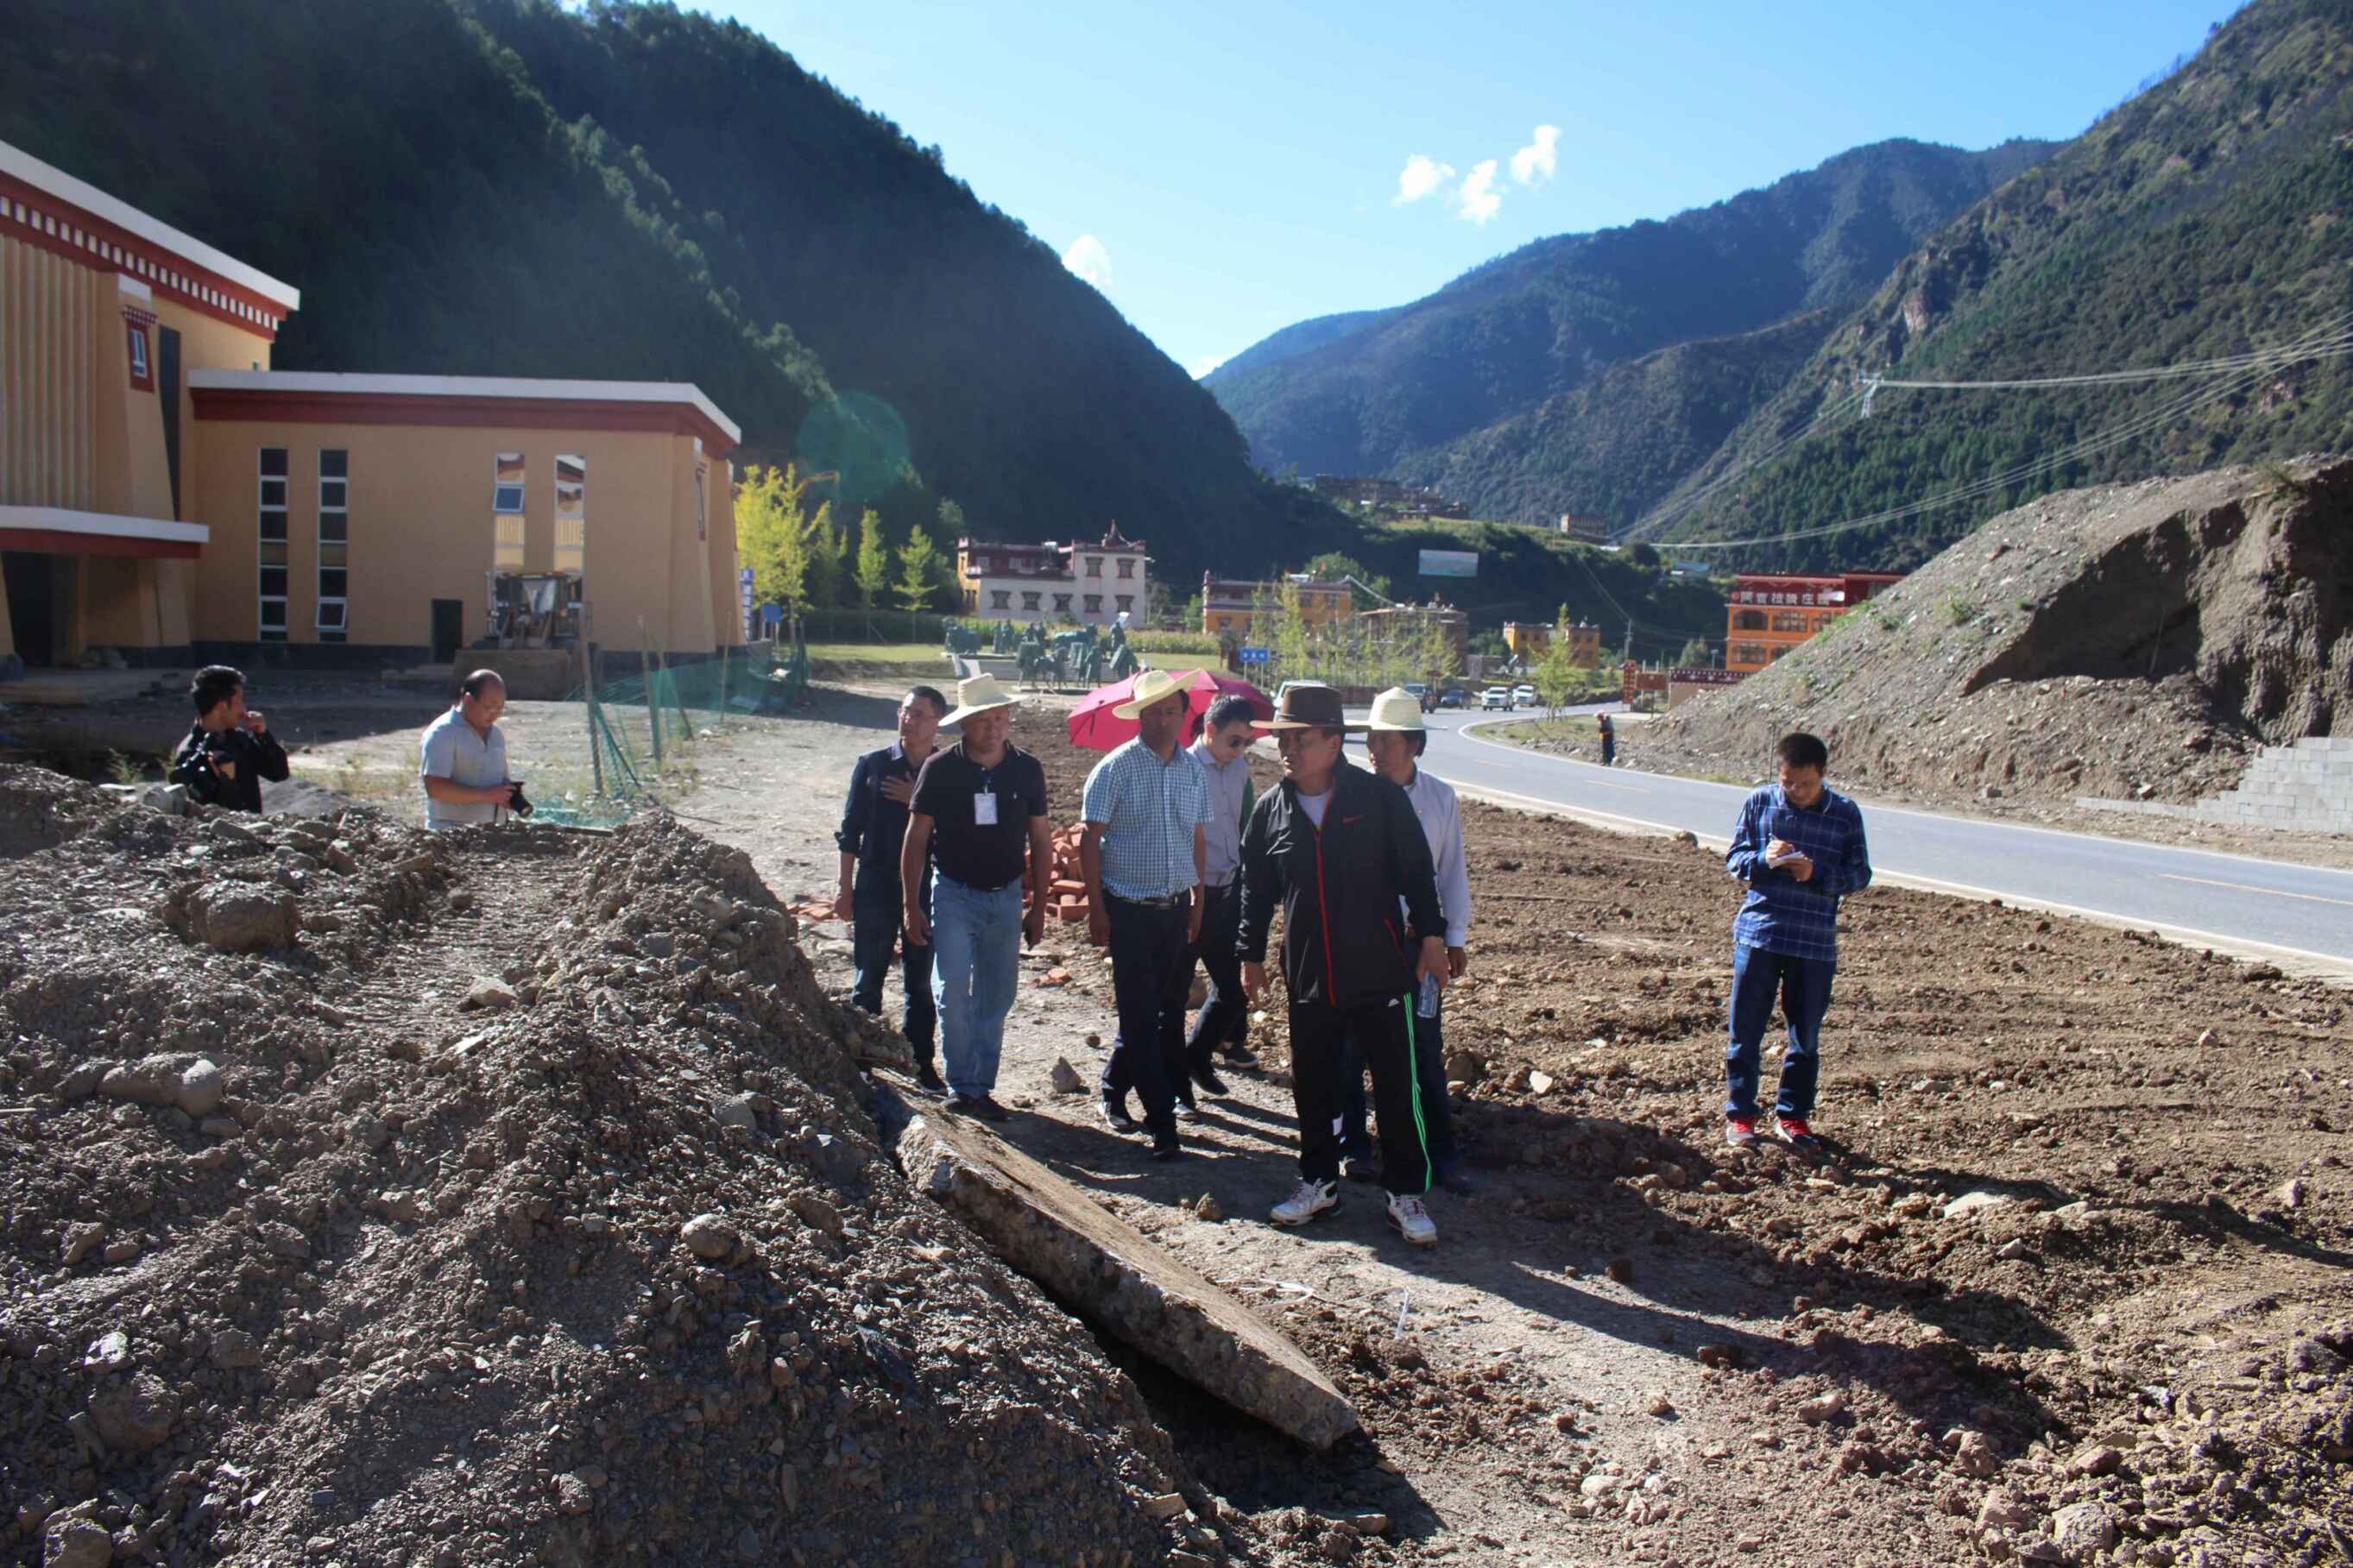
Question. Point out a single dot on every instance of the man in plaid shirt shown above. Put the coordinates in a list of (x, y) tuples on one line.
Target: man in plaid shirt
[(1799, 849)]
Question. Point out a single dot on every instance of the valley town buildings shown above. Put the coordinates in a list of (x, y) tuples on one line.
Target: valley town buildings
[(1093, 585), (1771, 613)]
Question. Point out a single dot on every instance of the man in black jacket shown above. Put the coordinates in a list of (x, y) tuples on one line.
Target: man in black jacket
[(229, 749), (1339, 848), (874, 826)]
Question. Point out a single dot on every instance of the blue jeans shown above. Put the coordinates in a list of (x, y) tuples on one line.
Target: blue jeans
[(875, 916), (1803, 986), (976, 960)]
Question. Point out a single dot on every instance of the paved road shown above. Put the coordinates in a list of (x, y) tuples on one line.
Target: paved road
[(2224, 901)]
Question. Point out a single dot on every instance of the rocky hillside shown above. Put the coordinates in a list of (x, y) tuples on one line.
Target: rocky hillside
[(2203, 217), (2135, 640), (1413, 388)]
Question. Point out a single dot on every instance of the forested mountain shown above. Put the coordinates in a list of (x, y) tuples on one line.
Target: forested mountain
[(1458, 388), (504, 187), (2209, 215)]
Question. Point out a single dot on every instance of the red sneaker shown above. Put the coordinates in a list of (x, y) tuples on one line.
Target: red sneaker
[(1793, 1131), (1739, 1131)]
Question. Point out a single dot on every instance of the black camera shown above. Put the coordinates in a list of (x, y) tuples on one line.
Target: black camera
[(515, 801)]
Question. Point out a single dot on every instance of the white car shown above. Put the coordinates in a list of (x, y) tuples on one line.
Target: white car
[(1496, 697), (1524, 696)]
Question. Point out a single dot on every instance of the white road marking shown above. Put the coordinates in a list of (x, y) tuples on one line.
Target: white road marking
[(2247, 888)]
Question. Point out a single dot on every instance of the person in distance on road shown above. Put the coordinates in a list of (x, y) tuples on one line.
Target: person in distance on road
[(1396, 739), (463, 759), (1146, 814), (977, 821), (1608, 734), (1223, 1022), (1337, 849), (873, 827), (1799, 848), (229, 749)]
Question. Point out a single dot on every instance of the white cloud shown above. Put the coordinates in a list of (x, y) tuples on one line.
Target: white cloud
[(1422, 175), (1478, 200), (1533, 164), (1203, 365), (1089, 259)]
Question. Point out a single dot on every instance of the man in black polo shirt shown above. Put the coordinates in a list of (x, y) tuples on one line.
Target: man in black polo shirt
[(229, 750), (874, 826), (979, 817)]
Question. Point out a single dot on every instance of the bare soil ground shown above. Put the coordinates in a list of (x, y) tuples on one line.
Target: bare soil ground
[(2126, 1344)]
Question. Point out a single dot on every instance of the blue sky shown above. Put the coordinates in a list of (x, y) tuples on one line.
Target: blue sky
[(1220, 170)]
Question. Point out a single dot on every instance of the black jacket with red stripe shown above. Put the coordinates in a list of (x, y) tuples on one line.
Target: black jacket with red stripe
[(1338, 886)]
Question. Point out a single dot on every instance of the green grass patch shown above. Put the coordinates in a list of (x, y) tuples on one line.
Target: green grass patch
[(878, 661)]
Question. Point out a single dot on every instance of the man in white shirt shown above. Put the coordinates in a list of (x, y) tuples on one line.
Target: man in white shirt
[(1396, 739), (463, 766)]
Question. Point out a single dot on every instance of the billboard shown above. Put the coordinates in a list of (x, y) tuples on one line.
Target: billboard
[(1450, 563)]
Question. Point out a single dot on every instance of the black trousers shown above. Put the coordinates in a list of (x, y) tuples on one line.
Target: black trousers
[(876, 910), (1225, 1015), (1149, 978), (1385, 1032), (1430, 1076)]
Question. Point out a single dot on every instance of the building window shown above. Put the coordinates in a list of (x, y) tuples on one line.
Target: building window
[(1029, 603), (1095, 565), (1126, 603), (270, 532), (142, 369), (1778, 651), (1061, 604), (333, 620), (1127, 568), (1094, 604), (506, 512), (1789, 621), (1748, 621), (571, 513), (1225, 623), (1747, 654), (1000, 599)]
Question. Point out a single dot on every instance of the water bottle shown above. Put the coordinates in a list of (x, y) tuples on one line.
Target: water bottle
[(1427, 1007)]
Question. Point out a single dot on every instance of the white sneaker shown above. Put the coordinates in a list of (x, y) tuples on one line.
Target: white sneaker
[(1412, 1220), (1311, 1199)]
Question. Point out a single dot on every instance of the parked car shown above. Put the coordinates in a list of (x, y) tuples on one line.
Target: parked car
[(1496, 697), (1524, 696), (1289, 684), (1420, 690), (1451, 698)]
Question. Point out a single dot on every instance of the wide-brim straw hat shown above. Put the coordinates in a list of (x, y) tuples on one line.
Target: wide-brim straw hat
[(1309, 708), (1154, 686), (1396, 708), (977, 695)]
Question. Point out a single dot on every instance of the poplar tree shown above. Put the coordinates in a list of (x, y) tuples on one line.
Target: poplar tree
[(919, 562), (873, 572)]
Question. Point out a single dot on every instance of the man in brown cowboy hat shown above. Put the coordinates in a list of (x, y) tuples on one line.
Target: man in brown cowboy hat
[(1339, 849)]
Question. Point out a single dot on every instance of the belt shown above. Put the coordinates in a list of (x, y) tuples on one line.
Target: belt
[(1159, 901)]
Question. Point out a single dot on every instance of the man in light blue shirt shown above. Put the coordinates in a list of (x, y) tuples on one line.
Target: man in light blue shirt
[(1146, 810), (464, 763)]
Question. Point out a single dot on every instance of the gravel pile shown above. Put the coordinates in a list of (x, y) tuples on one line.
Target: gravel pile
[(368, 1196)]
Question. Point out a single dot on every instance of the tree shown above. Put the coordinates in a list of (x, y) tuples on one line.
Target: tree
[(1332, 566), (919, 562), (824, 550), (768, 531), (1290, 630), (873, 570), (1556, 675), (1641, 553), (952, 523), (1697, 655)]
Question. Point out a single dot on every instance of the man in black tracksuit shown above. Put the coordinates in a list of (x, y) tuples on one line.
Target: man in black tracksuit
[(1339, 847), (229, 749)]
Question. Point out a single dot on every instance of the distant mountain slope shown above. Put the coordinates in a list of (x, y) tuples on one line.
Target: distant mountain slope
[(1553, 316), (1292, 340), (2210, 215), (501, 186)]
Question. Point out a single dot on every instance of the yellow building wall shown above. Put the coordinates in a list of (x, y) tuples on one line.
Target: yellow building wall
[(420, 528), (49, 417)]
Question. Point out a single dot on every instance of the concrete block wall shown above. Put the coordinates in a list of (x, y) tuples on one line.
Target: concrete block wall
[(2307, 787)]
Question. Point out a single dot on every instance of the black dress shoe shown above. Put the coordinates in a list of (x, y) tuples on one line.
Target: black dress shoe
[(1209, 1082), (987, 1109), (1164, 1149), (1240, 1055), (927, 1076)]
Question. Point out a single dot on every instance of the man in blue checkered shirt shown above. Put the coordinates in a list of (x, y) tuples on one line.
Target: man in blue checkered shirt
[(1799, 849), (1146, 812)]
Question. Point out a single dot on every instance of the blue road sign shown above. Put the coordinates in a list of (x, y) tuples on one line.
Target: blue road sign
[(1257, 656), (771, 613)]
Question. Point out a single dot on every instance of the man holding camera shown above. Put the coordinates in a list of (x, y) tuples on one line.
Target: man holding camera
[(464, 764), (229, 749)]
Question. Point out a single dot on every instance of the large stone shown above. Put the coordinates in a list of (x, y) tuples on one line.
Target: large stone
[(1113, 1275), (238, 917), (1970, 1203), (200, 1089), (75, 1539), (2083, 1530), (136, 1413)]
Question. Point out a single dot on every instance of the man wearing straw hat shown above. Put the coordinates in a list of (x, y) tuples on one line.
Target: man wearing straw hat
[(979, 817), (1146, 810), (1396, 738), (1339, 847)]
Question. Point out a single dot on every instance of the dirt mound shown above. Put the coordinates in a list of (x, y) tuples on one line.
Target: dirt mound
[(520, 1209), (2131, 640)]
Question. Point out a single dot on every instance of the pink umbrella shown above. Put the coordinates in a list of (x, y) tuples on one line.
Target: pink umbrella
[(1095, 727)]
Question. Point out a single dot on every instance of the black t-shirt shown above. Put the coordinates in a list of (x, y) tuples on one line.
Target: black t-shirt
[(948, 790)]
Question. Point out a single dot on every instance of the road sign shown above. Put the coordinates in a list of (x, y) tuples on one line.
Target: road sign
[(1257, 656), (772, 615)]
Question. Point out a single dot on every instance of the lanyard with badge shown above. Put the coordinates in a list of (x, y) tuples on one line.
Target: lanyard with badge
[(984, 802)]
